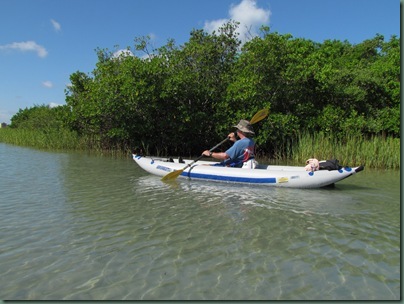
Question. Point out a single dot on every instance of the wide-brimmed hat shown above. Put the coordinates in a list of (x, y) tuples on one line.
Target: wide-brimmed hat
[(245, 126)]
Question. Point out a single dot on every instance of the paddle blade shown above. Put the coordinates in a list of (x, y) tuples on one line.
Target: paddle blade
[(172, 175), (260, 115)]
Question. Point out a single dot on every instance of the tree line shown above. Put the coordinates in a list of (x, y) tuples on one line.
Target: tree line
[(182, 99)]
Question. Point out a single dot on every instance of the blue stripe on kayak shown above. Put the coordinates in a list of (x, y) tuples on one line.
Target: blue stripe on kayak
[(269, 180)]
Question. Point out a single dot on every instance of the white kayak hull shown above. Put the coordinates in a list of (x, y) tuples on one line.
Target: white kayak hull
[(265, 175)]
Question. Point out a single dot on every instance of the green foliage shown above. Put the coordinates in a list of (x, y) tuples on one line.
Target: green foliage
[(179, 100), (41, 117)]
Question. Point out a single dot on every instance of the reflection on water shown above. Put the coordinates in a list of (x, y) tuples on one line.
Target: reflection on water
[(333, 236), (80, 227), (332, 201)]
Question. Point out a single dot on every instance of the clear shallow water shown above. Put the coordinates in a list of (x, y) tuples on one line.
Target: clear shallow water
[(79, 227)]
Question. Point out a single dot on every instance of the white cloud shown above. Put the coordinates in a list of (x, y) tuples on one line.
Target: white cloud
[(54, 105), (251, 18), (26, 46), (56, 25), (214, 25), (123, 53), (47, 84)]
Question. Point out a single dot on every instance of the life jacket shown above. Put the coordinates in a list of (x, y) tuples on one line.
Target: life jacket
[(247, 155)]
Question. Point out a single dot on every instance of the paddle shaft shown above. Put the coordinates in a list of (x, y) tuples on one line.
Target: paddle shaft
[(211, 150)]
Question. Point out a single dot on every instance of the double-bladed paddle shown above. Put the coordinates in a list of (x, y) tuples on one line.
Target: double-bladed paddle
[(260, 115)]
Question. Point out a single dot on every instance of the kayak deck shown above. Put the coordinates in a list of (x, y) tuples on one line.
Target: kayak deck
[(268, 175)]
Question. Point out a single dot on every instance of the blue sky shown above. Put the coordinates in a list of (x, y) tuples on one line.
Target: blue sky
[(42, 42)]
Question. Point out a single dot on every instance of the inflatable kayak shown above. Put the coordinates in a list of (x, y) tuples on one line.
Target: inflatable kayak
[(265, 175)]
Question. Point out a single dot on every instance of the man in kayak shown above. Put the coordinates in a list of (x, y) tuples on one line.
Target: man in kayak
[(242, 149)]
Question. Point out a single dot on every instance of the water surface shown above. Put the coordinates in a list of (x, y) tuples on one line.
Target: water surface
[(80, 227)]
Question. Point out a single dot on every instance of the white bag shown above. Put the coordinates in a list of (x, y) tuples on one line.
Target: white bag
[(312, 164), (250, 164)]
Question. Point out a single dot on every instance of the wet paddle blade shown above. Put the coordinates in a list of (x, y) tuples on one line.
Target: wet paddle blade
[(260, 115), (172, 175)]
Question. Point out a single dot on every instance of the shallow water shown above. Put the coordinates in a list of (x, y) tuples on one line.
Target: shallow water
[(81, 227)]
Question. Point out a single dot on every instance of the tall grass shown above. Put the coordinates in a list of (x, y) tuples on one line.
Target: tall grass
[(52, 139), (58, 140), (375, 152)]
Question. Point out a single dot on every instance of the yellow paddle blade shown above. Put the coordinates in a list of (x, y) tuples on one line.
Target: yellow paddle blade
[(260, 115), (172, 175)]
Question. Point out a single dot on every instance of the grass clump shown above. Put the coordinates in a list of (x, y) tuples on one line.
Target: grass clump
[(376, 151)]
